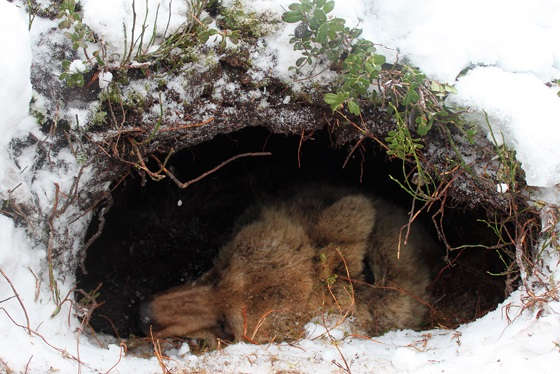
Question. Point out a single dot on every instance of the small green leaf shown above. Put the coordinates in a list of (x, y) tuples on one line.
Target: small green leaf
[(353, 107), (319, 17), (204, 35), (300, 61), (64, 24), (235, 36), (337, 24), (356, 32), (322, 33), (330, 98), (336, 100), (379, 59), (294, 7), (329, 6), (423, 125), (411, 97), (436, 87), (292, 17)]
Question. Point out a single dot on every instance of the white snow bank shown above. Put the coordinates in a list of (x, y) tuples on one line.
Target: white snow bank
[(106, 18), (443, 37), (52, 346), (519, 38), (15, 92), (14, 69), (525, 111), (488, 345)]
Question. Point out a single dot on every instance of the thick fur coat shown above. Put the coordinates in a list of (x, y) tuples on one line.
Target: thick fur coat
[(291, 260)]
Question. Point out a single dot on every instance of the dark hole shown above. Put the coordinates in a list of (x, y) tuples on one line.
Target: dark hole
[(158, 236)]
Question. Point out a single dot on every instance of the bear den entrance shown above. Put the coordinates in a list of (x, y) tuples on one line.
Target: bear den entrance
[(158, 236)]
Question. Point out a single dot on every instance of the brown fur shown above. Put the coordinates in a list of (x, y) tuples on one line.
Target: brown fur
[(277, 273)]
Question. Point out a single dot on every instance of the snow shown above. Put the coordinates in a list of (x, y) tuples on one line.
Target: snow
[(506, 98), (14, 95), (513, 50), (107, 18), (105, 79), (77, 66), (14, 71), (516, 38), (441, 37)]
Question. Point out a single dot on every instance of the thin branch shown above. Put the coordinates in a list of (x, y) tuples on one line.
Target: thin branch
[(123, 349), (60, 350), (207, 173), (27, 365), (353, 150), (101, 219), (19, 300)]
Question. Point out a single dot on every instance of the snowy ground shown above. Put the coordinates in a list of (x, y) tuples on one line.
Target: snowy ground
[(514, 45)]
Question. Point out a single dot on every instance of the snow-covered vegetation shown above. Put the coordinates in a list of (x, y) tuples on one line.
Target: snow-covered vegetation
[(499, 62)]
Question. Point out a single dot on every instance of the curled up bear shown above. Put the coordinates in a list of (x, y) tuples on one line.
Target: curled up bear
[(294, 259)]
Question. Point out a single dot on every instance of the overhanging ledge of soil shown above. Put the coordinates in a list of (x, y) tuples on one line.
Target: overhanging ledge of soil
[(211, 109)]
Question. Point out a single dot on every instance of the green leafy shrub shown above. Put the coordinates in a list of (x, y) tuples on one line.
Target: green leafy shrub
[(319, 37), (364, 76)]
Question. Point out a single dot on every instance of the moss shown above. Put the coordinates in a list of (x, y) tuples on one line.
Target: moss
[(135, 100), (99, 117), (250, 25), (38, 115)]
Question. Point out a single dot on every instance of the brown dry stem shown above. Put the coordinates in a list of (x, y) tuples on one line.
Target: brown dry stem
[(19, 301)]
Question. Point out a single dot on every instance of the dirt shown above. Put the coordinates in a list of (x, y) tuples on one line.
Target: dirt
[(158, 236)]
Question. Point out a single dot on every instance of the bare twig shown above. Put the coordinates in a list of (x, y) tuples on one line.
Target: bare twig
[(37, 284), (158, 354), (112, 324), (245, 336), (82, 255), (27, 365), (6, 367), (6, 299), (19, 300), (60, 350), (260, 322), (207, 173), (353, 150), (121, 351), (346, 367), (299, 149)]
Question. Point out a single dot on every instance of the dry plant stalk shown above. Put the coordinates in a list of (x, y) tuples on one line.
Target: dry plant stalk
[(158, 354), (19, 301), (123, 350), (207, 173)]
